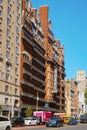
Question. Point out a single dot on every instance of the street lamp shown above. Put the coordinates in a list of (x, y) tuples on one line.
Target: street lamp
[(12, 111), (37, 101)]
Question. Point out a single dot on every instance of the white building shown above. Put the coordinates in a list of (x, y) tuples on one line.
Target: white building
[(10, 27), (81, 78)]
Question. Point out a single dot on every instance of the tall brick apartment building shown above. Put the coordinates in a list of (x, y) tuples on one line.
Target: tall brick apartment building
[(42, 62)]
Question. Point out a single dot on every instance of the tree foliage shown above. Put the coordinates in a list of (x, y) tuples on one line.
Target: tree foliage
[(28, 111), (0, 109), (85, 96)]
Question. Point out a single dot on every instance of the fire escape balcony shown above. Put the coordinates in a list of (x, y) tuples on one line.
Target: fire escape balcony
[(38, 71), (26, 39), (32, 96), (27, 95), (38, 61), (38, 79), (27, 62), (23, 82), (42, 56), (27, 21), (27, 32), (39, 90), (39, 41), (27, 72)]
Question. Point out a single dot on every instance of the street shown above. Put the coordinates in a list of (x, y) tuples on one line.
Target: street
[(66, 127)]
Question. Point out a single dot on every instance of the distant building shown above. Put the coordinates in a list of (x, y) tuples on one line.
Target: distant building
[(72, 98), (82, 84)]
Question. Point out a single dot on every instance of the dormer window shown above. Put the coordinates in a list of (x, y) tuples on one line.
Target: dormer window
[(50, 25), (32, 14), (0, 1), (27, 4)]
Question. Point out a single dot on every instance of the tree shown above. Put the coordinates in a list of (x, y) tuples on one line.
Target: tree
[(86, 96), (28, 111), (0, 109)]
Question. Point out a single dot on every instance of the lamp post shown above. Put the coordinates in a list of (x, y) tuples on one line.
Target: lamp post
[(12, 112), (37, 101)]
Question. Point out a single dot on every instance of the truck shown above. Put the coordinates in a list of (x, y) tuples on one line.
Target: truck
[(43, 115)]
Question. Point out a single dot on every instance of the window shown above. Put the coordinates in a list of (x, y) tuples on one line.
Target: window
[(7, 77), (16, 80), (16, 91), (18, 1), (17, 19), (6, 89), (6, 101), (7, 67), (16, 60), (9, 1), (8, 44), (16, 50), (27, 2), (16, 70), (18, 9), (0, 13), (8, 21), (0, 1), (17, 29), (9, 11), (8, 32), (7, 54), (3, 119), (17, 40)]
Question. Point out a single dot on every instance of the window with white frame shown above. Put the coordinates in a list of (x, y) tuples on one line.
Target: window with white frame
[(16, 81), (17, 60), (8, 31), (8, 44), (9, 10), (0, 1), (7, 54), (8, 21), (16, 70), (6, 89), (16, 50), (6, 101)]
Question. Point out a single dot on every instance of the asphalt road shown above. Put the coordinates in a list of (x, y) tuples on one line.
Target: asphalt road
[(66, 127)]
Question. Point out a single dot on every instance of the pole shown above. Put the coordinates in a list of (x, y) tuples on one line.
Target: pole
[(37, 102), (12, 113)]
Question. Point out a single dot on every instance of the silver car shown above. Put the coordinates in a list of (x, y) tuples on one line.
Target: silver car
[(31, 121), (5, 123)]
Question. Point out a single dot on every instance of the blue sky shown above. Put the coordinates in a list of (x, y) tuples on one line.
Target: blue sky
[(69, 25)]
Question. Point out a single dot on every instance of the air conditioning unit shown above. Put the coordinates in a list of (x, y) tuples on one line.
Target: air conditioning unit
[(8, 69), (17, 73), (8, 47)]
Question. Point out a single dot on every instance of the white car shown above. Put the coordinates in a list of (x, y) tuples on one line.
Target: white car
[(31, 121), (5, 123)]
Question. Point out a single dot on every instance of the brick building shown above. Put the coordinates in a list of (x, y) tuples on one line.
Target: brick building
[(42, 62), (32, 62)]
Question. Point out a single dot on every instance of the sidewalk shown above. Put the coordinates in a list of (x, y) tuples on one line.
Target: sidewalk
[(35, 126)]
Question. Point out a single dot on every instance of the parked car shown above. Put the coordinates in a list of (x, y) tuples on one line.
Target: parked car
[(17, 121), (31, 120), (66, 118), (55, 121), (39, 122), (72, 121), (5, 123), (83, 119)]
